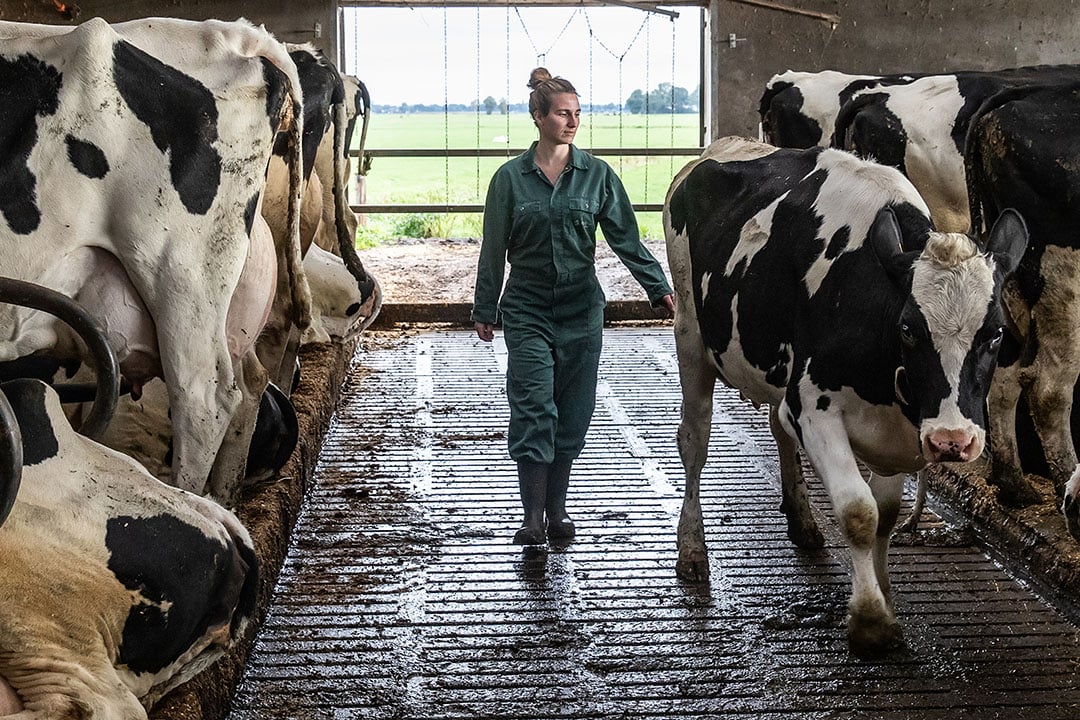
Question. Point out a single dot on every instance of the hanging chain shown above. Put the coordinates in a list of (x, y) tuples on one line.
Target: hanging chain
[(611, 52), (356, 45), (648, 43), (478, 66), (541, 56), (446, 103), (506, 98), (620, 58), (592, 94), (621, 103), (671, 137)]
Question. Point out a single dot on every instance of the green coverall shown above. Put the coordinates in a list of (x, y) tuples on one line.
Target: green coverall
[(553, 306)]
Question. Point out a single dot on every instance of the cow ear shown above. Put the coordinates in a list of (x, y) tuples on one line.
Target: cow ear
[(1008, 240), (885, 239)]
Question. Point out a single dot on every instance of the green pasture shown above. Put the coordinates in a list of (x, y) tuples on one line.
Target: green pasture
[(465, 180)]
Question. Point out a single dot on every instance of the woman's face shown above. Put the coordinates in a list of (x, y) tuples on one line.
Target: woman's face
[(561, 123)]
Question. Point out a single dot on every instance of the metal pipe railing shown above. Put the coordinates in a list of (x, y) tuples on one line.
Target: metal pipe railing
[(377, 208)]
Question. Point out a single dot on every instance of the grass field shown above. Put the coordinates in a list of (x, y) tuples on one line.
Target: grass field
[(465, 180)]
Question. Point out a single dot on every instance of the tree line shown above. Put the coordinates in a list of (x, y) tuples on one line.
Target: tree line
[(665, 98)]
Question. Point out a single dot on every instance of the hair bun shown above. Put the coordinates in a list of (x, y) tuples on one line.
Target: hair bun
[(538, 76)]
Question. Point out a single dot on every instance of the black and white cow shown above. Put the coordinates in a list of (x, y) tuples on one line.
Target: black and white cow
[(115, 587), (1023, 151), (144, 146), (798, 109), (920, 127), (341, 308), (324, 207), (814, 282)]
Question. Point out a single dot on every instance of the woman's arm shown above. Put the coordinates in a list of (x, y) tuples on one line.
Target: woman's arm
[(498, 216), (619, 223)]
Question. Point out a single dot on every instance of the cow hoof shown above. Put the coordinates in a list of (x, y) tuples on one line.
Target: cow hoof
[(807, 537), (694, 570), (911, 525), (873, 637)]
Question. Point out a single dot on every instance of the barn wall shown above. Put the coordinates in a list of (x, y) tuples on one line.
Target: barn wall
[(879, 36), (288, 20)]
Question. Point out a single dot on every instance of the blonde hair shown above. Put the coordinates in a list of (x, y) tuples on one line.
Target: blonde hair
[(543, 86)]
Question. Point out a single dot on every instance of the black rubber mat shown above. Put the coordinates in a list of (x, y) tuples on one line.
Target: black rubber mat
[(403, 597)]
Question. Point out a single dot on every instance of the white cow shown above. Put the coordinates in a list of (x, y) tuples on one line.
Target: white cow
[(115, 587), (148, 141)]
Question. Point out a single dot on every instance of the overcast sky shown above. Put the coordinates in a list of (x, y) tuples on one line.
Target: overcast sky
[(400, 53)]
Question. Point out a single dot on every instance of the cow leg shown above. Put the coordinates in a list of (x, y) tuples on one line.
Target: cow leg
[(1051, 406), (872, 627), (227, 474), (802, 528), (1056, 367), (203, 397), (912, 523), (1005, 471), (888, 491), (698, 380)]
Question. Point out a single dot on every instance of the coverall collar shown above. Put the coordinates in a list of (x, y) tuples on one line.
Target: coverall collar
[(579, 159)]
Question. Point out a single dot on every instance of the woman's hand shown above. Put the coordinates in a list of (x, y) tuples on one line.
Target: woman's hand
[(485, 331), (669, 303)]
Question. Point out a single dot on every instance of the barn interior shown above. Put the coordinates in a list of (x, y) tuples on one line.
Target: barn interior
[(745, 42)]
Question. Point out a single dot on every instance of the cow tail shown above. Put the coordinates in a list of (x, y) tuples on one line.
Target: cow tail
[(972, 175), (365, 99), (841, 137), (346, 243), (300, 292)]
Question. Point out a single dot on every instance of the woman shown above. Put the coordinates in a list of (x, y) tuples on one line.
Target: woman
[(540, 215)]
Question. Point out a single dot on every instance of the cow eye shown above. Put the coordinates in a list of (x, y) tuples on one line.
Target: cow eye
[(995, 340), (906, 335)]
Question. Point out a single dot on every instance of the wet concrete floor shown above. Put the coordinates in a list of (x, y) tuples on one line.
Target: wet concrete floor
[(402, 596)]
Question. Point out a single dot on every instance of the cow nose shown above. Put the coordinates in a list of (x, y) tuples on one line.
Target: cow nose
[(952, 446)]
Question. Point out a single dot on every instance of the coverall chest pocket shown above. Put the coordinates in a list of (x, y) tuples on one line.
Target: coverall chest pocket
[(582, 212), (526, 216)]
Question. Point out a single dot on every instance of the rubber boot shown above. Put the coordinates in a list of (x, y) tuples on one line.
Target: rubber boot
[(559, 524), (532, 481)]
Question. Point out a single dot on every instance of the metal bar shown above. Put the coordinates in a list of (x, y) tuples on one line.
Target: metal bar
[(509, 153), (392, 208), (649, 7), (833, 20)]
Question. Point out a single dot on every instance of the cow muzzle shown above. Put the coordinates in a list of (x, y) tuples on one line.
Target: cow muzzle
[(952, 445)]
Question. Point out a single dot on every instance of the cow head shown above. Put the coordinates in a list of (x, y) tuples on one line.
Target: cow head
[(949, 329)]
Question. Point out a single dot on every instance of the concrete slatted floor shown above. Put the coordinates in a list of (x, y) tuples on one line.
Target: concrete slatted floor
[(402, 596)]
